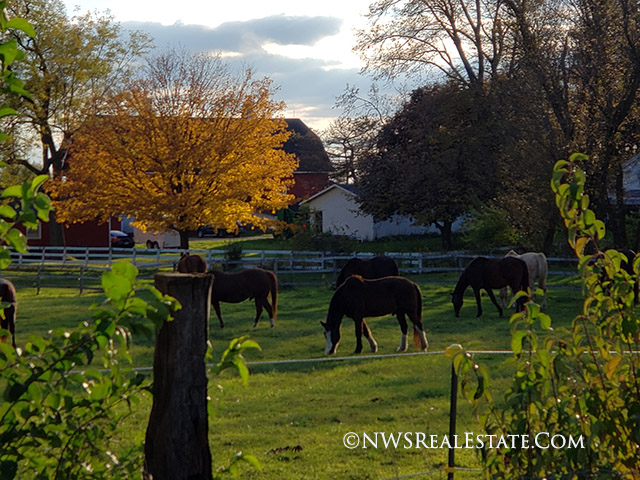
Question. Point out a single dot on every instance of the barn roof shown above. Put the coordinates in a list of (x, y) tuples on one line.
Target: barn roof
[(307, 146)]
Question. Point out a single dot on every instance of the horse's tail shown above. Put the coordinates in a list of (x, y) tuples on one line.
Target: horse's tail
[(274, 293)]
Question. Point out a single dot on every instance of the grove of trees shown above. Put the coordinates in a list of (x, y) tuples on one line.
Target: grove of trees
[(527, 83), (69, 65)]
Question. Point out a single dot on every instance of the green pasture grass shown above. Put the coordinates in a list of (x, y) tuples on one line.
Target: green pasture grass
[(409, 243), (293, 416)]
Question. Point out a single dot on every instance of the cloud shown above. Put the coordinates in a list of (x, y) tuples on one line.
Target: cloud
[(242, 37), (308, 86)]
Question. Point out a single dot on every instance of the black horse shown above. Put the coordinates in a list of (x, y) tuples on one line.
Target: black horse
[(8, 320), (358, 298), (483, 273), (376, 267)]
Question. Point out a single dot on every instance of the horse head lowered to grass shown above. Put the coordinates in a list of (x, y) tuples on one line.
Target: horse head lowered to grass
[(358, 298), (489, 274)]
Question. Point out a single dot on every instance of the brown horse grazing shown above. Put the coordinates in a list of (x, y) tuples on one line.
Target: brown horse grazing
[(376, 267), (358, 298), (237, 287), (8, 318), (483, 273), (191, 264)]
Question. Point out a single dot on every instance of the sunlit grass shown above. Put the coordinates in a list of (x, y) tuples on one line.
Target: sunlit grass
[(293, 416)]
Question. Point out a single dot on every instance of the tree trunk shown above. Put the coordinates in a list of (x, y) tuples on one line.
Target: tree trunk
[(619, 211), (177, 442), (184, 239), (445, 233), (56, 232), (547, 244)]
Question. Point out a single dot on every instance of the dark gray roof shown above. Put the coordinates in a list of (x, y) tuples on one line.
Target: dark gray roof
[(307, 146)]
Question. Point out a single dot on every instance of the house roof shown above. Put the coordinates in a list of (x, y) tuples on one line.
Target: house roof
[(307, 146), (348, 188)]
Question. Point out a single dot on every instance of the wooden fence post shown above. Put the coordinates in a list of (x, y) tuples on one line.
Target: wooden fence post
[(177, 443), (453, 408)]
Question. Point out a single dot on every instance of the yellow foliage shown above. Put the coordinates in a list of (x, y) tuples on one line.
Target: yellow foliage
[(179, 156)]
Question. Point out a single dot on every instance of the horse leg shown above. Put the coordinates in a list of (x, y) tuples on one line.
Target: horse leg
[(478, 301), (503, 296), (367, 334), (10, 313), (493, 299), (359, 322), (258, 302), (267, 307), (216, 307), (419, 334), (403, 327)]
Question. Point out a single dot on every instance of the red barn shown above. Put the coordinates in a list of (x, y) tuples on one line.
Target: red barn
[(87, 234), (312, 174)]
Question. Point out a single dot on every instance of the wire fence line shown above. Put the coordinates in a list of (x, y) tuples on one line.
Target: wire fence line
[(81, 267)]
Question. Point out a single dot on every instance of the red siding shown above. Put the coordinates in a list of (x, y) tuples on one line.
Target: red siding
[(308, 184), (87, 234)]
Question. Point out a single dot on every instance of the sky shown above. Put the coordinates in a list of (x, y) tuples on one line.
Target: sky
[(304, 46)]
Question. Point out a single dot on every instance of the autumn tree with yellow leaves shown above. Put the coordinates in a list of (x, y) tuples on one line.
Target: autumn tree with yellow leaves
[(186, 144)]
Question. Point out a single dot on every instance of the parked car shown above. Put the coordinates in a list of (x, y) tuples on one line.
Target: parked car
[(121, 240), (208, 230)]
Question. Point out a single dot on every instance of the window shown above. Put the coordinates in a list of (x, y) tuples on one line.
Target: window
[(35, 233)]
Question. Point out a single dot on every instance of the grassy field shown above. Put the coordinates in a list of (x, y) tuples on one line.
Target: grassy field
[(293, 416)]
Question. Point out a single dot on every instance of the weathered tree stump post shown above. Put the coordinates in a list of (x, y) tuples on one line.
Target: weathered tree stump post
[(177, 443)]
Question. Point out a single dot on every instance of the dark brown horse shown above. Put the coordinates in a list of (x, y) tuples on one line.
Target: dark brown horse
[(376, 267), (483, 273), (358, 298), (191, 264), (8, 318), (237, 287)]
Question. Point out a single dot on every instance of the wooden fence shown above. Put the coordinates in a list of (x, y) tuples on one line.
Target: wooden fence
[(80, 267)]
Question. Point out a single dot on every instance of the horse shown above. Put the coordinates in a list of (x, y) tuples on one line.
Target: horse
[(191, 264), (237, 287), (8, 318), (483, 273), (152, 244), (537, 267), (359, 297), (376, 267)]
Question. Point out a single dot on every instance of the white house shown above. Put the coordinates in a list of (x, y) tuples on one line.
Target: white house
[(337, 207), (631, 181)]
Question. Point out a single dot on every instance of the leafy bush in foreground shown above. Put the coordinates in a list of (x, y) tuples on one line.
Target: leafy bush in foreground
[(579, 382)]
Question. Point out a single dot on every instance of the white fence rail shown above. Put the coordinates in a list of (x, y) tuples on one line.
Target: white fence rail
[(80, 266)]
